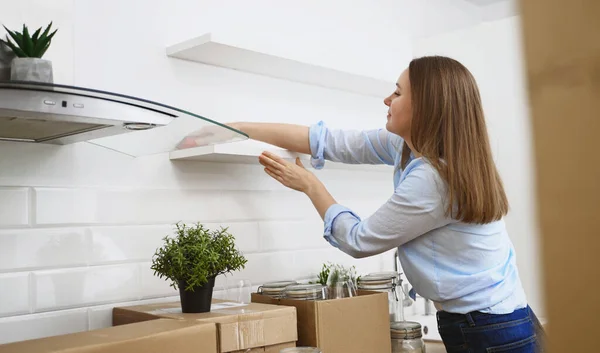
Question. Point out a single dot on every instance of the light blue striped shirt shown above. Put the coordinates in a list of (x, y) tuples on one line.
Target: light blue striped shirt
[(460, 267)]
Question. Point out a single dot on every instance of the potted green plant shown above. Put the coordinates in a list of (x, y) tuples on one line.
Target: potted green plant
[(28, 64), (192, 259), (6, 58)]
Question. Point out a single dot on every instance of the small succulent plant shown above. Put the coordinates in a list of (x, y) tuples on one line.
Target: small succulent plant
[(27, 46)]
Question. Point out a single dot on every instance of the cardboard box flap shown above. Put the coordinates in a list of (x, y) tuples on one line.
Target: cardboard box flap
[(241, 326), (150, 336), (306, 310), (338, 319)]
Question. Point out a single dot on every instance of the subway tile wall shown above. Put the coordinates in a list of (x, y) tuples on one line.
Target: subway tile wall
[(70, 251)]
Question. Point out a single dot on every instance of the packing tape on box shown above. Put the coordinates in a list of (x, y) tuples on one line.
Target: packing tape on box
[(251, 333)]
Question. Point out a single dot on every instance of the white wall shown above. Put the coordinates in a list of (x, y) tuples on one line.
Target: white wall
[(492, 52), (79, 223)]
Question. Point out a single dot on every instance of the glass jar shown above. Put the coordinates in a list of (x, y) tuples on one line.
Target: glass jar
[(300, 350), (305, 292), (274, 289), (386, 282), (387, 273), (340, 285), (407, 337)]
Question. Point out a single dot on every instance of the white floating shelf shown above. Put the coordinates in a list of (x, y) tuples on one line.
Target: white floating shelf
[(224, 52), (247, 153)]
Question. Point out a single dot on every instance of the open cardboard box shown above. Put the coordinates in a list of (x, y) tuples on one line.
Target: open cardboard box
[(350, 325), (155, 336), (250, 327)]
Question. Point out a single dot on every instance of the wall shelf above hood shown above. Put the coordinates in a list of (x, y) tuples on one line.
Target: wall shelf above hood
[(58, 114), (229, 51)]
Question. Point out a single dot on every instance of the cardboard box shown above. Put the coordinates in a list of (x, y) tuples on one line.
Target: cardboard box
[(156, 336), (349, 325), (562, 53), (269, 349), (240, 327)]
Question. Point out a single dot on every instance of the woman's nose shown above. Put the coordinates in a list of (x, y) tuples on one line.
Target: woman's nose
[(387, 100)]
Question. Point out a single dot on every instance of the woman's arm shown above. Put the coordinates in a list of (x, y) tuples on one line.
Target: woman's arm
[(346, 146), (415, 208), (288, 136)]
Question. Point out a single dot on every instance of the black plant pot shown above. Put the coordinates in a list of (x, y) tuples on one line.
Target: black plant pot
[(199, 300)]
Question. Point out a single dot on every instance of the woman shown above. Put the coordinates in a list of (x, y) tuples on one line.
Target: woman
[(445, 215)]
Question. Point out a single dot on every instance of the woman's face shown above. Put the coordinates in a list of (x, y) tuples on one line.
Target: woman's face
[(400, 109)]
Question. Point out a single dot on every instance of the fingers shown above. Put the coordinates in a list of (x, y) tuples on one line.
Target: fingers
[(273, 175), (271, 163), (274, 157), (187, 142), (275, 171), (299, 163)]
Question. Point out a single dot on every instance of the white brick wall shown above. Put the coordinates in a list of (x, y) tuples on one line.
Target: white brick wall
[(14, 298), (23, 327), (290, 235), (68, 288), (14, 209), (70, 254), (34, 248)]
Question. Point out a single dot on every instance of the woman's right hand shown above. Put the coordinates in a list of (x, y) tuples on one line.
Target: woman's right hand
[(206, 135)]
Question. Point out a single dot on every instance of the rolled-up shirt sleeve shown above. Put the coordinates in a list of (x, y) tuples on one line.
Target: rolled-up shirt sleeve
[(377, 146), (415, 208)]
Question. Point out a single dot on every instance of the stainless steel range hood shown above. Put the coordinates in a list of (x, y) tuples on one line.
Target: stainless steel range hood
[(58, 114)]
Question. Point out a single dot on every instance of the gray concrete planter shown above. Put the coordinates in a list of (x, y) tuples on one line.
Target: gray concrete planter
[(31, 69), (6, 58)]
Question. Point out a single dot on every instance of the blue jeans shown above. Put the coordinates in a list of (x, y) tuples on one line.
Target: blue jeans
[(477, 332)]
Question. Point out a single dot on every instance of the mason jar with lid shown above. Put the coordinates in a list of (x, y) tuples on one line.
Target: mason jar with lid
[(407, 337), (396, 275), (274, 289), (305, 292), (386, 282)]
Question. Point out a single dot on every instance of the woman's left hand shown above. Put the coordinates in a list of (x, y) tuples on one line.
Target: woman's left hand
[(294, 176)]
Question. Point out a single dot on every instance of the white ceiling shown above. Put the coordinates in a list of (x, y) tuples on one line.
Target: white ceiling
[(424, 18)]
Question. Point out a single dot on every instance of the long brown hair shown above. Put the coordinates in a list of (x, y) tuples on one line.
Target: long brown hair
[(449, 130)]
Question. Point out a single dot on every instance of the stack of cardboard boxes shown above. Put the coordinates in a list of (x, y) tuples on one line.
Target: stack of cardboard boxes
[(349, 325)]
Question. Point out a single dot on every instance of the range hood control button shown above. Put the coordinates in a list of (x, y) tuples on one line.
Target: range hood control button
[(49, 102), (78, 105), (138, 126)]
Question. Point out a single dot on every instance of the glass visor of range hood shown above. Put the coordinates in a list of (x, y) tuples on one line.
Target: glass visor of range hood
[(185, 129)]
